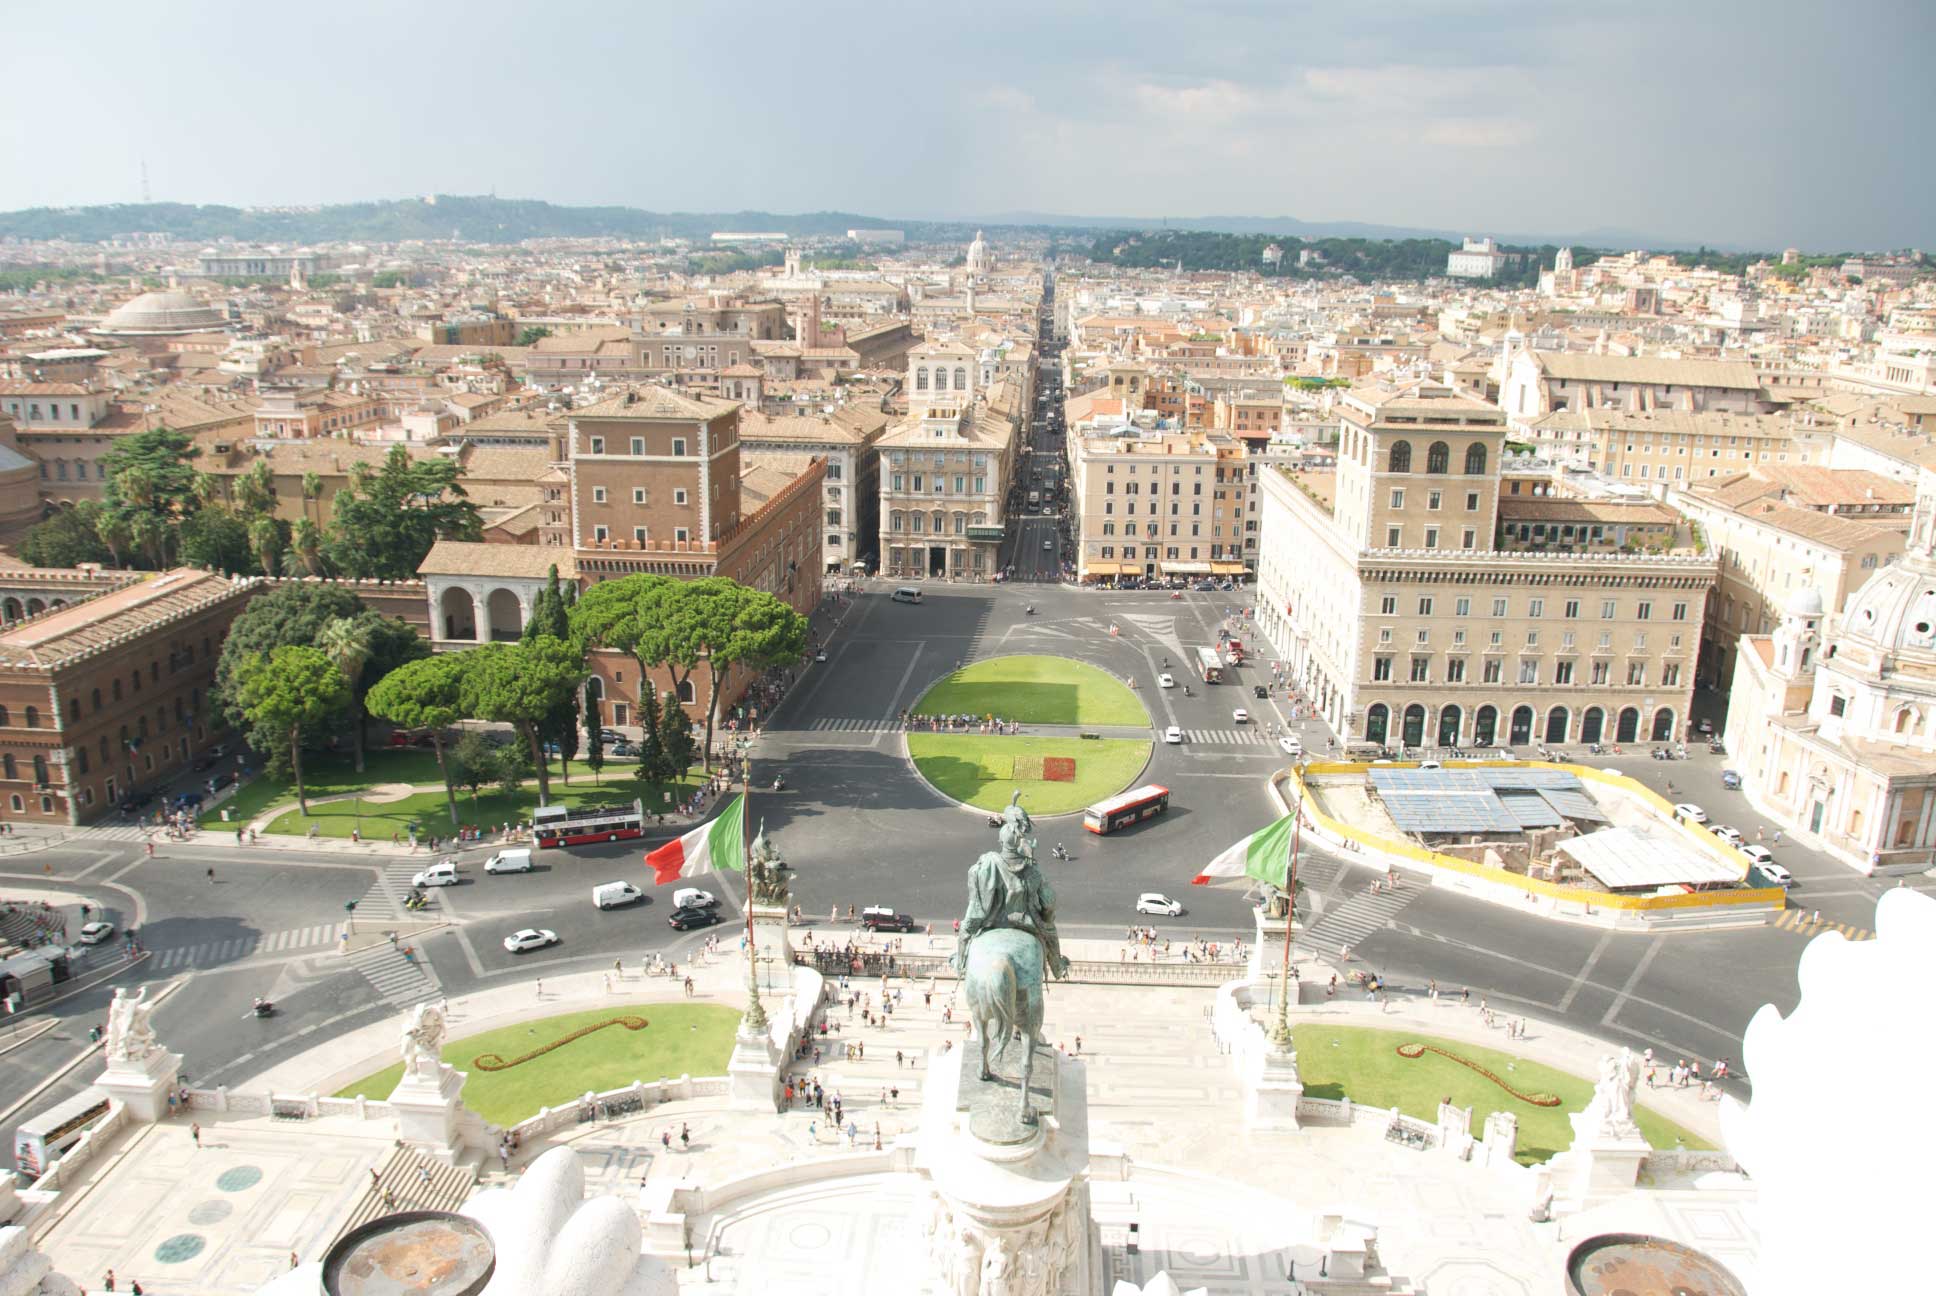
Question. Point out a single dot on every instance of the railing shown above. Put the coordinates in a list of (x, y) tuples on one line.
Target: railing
[(872, 963), (89, 1146)]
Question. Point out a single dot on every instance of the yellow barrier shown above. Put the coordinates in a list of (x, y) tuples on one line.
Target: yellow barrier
[(1532, 886)]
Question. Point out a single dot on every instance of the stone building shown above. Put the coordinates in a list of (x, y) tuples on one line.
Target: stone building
[(1407, 627)]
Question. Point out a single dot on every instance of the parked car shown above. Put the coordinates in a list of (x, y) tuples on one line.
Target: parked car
[(881, 918), (622, 748), (529, 939), (820, 655), (1731, 780), (687, 919), (610, 737), (1154, 902), (1732, 836), (1690, 812), (206, 761), (1173, 735)]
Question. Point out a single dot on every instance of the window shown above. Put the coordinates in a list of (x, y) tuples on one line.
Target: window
[(1643, 610), (1491, 671), (1438, 458), (679, 446), (1433, 499), (638, 535), (33, 717), (1599, 672), (1670, 675), (679, 496), (1455, 670), (1679, 612), (1472, 501), (1636, 673), (1572, 608), (1496, 638), (1392, 537), (1536, 607), (1606, 610), (638, 445), (1462, 607), (681, 535), (1838, 705), (1431, 537), (1421, 669), (638, 494), (600, 533), (1398, 497), (1475, 460), (1381, 668), (1563, 672), (598, 445), (1425, 606), (1528, 670), (598, 494), (1401, 457), (1499, 607), (1388, 605)]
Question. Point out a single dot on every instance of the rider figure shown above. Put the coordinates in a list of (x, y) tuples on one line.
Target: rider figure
[(1008, 890)]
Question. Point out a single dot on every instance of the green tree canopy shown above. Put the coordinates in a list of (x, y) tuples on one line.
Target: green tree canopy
[(284, 692), (218, 540), (522, 684), (385, 521), (151, 486), (346, 641), (291, 614), (726, 624), (67, 537), (427, 693)]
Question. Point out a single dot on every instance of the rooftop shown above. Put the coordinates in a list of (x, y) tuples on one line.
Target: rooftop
[(80, 628)]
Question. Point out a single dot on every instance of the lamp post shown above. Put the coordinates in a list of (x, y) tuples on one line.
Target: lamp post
[(1281, 1033)]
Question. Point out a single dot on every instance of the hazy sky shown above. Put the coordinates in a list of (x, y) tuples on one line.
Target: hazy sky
[(1769, 123)]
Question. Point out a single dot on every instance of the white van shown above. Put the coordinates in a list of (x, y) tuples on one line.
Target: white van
[(512, 859), (609, 895), (694, 898), (907, 594), (436, 875)]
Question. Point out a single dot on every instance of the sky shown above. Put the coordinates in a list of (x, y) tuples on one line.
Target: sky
[(1768, 124)]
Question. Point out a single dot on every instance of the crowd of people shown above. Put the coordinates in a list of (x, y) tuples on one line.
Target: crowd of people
[(988, 724)]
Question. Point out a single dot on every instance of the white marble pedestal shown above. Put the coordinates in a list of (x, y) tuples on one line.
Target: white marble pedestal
[(1272, 1091), (753, 1071), (142, 1086), (427, 1107), (1266, 965), (773, 948), (1601, 1164)]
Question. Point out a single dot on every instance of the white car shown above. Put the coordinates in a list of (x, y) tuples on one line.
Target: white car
[(1690, 812), (1290, 746), (1241, 716), (694, 898), (436, 875), (821, 655), (1775, 873), (1151, 902), (1732, 836), (1166, 681), (529, 939), (1173, 735), (1050, 544), (96, 932)]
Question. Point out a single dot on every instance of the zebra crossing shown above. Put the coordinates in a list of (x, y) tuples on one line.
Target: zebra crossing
[(397, 978), (851, 724), (213, 952), (133, 832), (1802, 921), (1227, 737), (384, 899), (1349, 922)]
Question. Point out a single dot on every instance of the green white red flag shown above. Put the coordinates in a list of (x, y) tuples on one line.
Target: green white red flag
[(717, 844), (1265, 856)]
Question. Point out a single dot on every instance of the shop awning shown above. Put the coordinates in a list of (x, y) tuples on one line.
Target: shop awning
[(1228, 568), (1187, 568), (1112, 569)]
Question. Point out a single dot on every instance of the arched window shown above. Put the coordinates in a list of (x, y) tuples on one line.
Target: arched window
[(97, 699), (1475, 460), (73, 708), (921, 379), (40, 769), (18, 804), (7, 767), (1438, 458), (33, 717), (686, 693), (1401, 456), (4, 719), (1855, 823), (961, 382), (1905, 720)]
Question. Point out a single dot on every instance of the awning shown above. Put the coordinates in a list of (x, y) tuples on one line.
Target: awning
[(1187, 568), (1623, 860), (1111, 569), (1228, 568)]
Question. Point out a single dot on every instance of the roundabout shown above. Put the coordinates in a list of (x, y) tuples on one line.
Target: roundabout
[(960, 757)]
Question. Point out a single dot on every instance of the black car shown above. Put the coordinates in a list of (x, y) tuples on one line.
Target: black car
[(887, 920), (1258, 690), (687, 919)]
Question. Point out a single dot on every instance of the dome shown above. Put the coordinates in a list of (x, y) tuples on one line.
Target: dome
[(163, 312), (1896, 609), (1805, 603)]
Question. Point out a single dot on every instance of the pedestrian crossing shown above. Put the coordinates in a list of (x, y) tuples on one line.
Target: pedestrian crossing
[(851, 724), (1347, 923), (214, 952), (397, 978), (116, 832), (1810, 923), (384, 899)]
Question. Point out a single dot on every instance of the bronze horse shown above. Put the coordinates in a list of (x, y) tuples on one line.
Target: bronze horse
[(1003, 984)]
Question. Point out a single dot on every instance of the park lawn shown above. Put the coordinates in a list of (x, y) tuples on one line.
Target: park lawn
[(1340, 1061), (979, 769), (490, 807), (1035, 690), (325, 774), (680, 1039)]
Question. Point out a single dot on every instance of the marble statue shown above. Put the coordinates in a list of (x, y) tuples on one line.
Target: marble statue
[(130, 1036), (1613, 1095), (996, 1265), (766, 872), (1008, 948), (423, 1042)]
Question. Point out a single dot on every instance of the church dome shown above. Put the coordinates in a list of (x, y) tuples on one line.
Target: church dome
[(162, 312), (1896, 609), (1805, 603)]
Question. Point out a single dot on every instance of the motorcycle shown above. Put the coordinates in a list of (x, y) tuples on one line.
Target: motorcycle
[(1188, 693), (1058, 852), (263, 1008), (994, 822), (1029, 610), (779, 783)]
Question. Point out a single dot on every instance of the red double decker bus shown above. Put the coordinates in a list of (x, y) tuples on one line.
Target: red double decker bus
[(557, 825)]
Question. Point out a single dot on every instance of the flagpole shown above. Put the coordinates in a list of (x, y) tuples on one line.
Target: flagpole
[(755, 1010), (1281, 1037)]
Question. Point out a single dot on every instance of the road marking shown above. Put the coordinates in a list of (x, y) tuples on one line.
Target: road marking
[(1633, 979), (1586, 969), (894, 701)]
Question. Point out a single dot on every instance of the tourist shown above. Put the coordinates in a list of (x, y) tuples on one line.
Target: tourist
[(195, 1133)]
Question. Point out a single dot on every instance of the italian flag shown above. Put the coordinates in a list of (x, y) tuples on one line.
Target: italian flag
[(717, 844), (1264, 855)]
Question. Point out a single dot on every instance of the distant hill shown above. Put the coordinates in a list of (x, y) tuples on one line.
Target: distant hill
[(464, 219)]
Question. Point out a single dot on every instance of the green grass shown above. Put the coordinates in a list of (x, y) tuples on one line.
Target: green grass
[(978, 769), (681, 1039), (1339, 1061), (380, 819), (1035, 690), (326, 774)]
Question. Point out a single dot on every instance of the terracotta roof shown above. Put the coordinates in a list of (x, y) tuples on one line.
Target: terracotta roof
[(1829, 529), (511, 562), (1809, 486), (654, 402), (44, 389), (763, 481), (72, 631), (796, 427), (1575, 366)]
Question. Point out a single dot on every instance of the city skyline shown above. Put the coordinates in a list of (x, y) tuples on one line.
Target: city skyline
[(1700, 127)]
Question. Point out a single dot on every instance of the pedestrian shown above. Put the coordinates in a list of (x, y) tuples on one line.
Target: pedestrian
[(376, 1179), (195, 1133), (134, 1287), (1078, 1046), (665, 1139), (211, 871), (292, 1260), (685, 1137), (540, 987), (107, 1283), (423, 1174)]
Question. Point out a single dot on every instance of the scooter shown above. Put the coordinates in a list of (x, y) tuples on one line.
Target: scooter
[(1188, 693), (1029, 610), (994, 822), (263, 1008), (1058, 852), (779, 783)]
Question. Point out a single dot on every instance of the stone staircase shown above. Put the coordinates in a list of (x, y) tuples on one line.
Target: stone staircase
[(402, 1175), (859, 1076)]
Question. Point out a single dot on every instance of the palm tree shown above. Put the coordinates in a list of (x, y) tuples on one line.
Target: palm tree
[(114, 533), (309, 546), (257, 489), (312, 489), (151, 534), (265, 537), (346, 641)]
